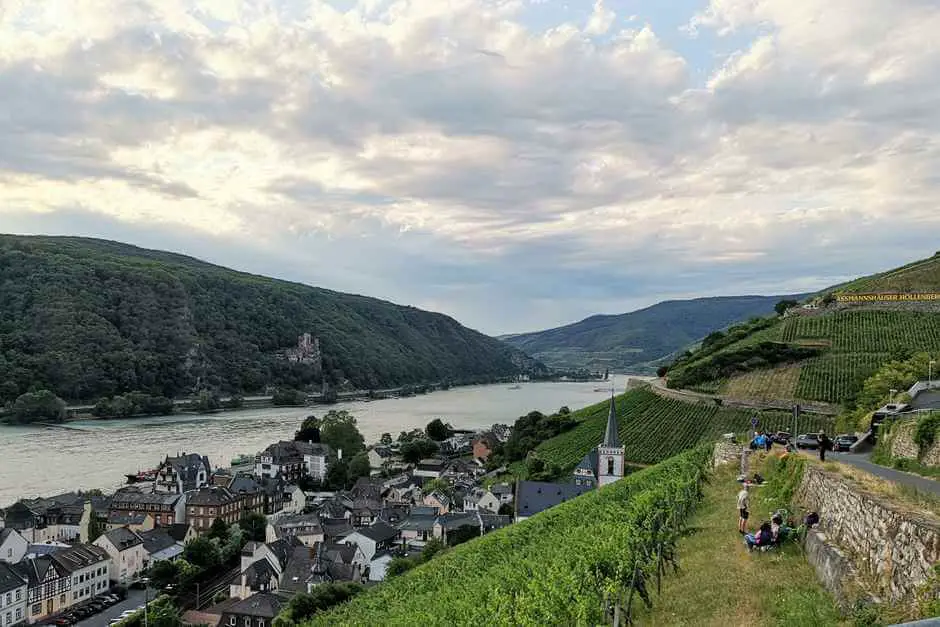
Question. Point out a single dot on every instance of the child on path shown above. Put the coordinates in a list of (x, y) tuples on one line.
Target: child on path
[(743, 503)]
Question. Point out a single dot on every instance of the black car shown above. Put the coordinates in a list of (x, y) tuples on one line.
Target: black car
[(781, 437), (844, 442), (807, 440)]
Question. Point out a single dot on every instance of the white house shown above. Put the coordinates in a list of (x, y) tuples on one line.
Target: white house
[(89, 568), (127, 552), (13, 546), (379, 456), (293, 460), (295, 501), (373, 539), (378, 567), (183, 473), (502, 491), (13, 593), (481, 499), (432, 468)]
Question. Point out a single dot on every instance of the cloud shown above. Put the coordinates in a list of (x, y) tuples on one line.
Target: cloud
[(498, 160)]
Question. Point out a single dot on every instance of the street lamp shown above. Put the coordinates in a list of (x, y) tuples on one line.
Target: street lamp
[(146, 582), (930, 365)]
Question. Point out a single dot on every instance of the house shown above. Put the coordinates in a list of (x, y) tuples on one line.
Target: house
[(419, 526), (263, 566), (533, 497), (431, 468), (89, 568), (483, 445), (336, 562), (604, 464), (258, 610), (393, 514), (271, 491), (335, 529), (183, 473), (208, 503), (49, 586), (293, 460), (462, 469), (493, 522), (501, 431), (139, 521), (12, 546), (294, 500), (126, 550), (481, 500), (439, 501), (297, 573), (373, 539), (378, 567), (160, 546), (165, 508), (181, 532), (46, 519), (305, 527), (13, 594), (379, 456), (503, 492), (449, 523)]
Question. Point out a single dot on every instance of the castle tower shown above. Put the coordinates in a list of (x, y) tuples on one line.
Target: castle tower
[(610, 453)]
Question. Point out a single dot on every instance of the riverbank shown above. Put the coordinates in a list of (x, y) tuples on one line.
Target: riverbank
[(87, 454)]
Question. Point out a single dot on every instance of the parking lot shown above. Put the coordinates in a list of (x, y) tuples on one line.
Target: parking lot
[(135, 598)]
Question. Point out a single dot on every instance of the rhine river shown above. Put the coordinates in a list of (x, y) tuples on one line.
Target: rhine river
[(85, 454)]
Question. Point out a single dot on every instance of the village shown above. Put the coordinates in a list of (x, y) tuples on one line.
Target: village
[(275, 529)]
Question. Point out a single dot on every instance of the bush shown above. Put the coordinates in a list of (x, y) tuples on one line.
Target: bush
[(783, 475), (744, 359), (36, 406), (925, 434), (288, 397)]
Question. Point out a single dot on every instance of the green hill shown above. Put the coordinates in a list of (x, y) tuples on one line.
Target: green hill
[(653, 428), (820, 355), (555, 568), (633, 341), (89, 318)]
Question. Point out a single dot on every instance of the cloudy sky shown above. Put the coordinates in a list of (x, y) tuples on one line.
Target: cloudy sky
[(515, 163)]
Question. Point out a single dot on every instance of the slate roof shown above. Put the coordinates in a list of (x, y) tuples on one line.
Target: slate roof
[(34, 570), (294, 578), (211, 496), (178, 531), (423, 510), (127, 518), (5, 533), (392, 514), (379, 532), (589, 463), (259, 574), (299, 523), (440, 497), (135, 496), (453, 521), (123, 538), (612, 435), (336, 527), (501, 488), (80, 556), (187, 467), (242, 484), (495, 521), (417, 523), (537, 496), (156, 540), (261, 605), (282, 549), (9, 578), (289, 451)]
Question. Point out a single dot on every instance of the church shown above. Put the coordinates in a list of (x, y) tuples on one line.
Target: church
[(605, 463)]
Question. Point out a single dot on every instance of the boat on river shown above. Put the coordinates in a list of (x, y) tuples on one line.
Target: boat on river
[(142, 476), (243, 460)]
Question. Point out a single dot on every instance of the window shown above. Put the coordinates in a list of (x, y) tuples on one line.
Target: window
[(9, 618), (247, 621), (9, 552), (610, 465), (19, 614), (74, 594), (9, 598), (36, 609), (19, 595), (231, 621)]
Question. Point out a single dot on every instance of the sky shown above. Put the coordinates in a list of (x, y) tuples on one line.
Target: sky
[(517, 164)]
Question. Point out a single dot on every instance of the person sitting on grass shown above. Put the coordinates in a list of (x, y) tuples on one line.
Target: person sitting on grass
[(743, 503), (763, 538)]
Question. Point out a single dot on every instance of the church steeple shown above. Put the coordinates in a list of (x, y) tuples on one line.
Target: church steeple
[(612, 435)]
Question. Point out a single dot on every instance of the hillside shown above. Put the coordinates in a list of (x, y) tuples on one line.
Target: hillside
[(631, 341), (555, 568), (825, 354), (88, 318), (653, 428)]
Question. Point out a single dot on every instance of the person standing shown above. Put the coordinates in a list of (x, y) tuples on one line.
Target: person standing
[(825, 444), (744, 502), (768, 441)]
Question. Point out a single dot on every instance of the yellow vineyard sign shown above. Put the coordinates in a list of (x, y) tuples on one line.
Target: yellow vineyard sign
[(886, 297)]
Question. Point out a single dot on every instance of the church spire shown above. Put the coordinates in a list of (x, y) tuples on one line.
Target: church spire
[(612, 436)]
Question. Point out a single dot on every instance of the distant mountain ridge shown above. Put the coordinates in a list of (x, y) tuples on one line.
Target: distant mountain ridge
[(88, 318), (635, 341)]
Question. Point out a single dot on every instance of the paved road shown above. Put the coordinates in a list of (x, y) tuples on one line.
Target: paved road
[(134, 598), (862, 461)]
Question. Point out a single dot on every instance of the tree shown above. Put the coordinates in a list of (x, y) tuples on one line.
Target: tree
[(218, 530), (8, 392), (36, 406), (95, 528), (506, 509), (288, 397), (309, 430), (338, 429), (202, 553), (164, 573), (386, 439), (206, 401), (438, 431), (400, 565), (359, 466), (254, 526), (304, 605), (782, 306), (564, 410), (416, 450), (336, 475), (432, 548), (438, 485)]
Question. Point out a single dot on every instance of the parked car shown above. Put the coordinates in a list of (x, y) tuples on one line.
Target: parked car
[(782, 437), (844, 442), (63, 622), (807, 440)]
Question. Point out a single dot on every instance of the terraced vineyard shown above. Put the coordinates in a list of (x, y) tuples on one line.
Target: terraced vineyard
[(556, 568), (773, 384), (653, 428), (836, 376), (869, 331)]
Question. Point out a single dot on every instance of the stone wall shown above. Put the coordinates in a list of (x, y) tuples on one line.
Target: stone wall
[(835, 570), (727, 452), (903, 445), (893, 550)]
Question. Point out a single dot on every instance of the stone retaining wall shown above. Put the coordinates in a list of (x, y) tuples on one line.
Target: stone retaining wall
[(894, 550), (903, 445), (727, 452), (835, 569)]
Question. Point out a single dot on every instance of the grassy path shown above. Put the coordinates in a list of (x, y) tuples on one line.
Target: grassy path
[(721, 584)]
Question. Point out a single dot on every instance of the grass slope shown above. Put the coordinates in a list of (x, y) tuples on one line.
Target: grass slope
[(88, 318), (653, 428), (720, 584), (628, 340)]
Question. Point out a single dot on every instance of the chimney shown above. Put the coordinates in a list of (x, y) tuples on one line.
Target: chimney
[(339, 453)]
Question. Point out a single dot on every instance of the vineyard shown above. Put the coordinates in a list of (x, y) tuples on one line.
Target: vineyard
[(653, 428), (869, 331), (836, 377), (569, 565), (770, 384)]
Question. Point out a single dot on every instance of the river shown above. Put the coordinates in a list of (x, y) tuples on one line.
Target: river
[(87, 454)]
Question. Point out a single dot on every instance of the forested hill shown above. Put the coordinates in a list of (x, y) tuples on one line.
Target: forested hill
[(90, 318), (631, 340)]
